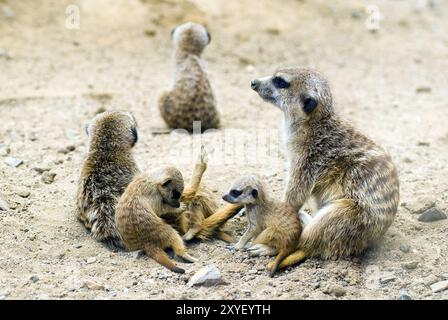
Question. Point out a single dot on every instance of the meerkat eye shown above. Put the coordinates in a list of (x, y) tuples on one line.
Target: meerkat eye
[(166, 183), (176, 194), (235, 193), (309, 104), (280, 83), (255, 194), (134, 134), (209, 37)]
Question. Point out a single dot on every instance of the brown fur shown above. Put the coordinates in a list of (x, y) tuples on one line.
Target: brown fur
[(353, 179), (139, 215), (107, 170), (191, 98), (274, 226)]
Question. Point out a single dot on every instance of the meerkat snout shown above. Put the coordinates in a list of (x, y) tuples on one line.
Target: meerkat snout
[(244, 191)]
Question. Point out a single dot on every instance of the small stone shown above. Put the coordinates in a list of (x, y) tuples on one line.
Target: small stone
[(2, 52), (91, 260), (423, 90), (67, 149), (405, 248), (138, 254), (31, 237), (48, 177), (410, 265), (423, 144), (41, 170), (13, 162), (207, 276), (336, 291), (431, 215), (4, 151), (439, 286), (162, 275), (387, 277), (23, 193), (77, 246), (92, 285), (246, 292), (8, 12), (3, 205), (150, 33), (316, 285), (404, 295), (420, 204), (34, 279)]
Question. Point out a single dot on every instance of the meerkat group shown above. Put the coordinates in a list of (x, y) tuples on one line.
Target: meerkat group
[(352, 179)]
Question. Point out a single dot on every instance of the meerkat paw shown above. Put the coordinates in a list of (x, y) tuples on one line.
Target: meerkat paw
[(239, 246), (261, 250), (305, 218), (189, 235)]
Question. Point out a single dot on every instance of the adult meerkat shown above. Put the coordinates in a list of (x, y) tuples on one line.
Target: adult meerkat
[(107, 170), (139, 215), (353, 179), (274, 226), (191, 97)]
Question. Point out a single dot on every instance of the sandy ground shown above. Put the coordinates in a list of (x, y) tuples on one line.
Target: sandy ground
[(392, 84)]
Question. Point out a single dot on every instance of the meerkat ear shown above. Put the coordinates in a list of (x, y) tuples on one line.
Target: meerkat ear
[(209, 36), (172, 31), (166, 183), (134, 135), (309, 104), (86, 128), (255, 194)]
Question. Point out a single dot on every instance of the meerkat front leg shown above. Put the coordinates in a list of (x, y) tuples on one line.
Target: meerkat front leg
[(299, 186), (250, 233)]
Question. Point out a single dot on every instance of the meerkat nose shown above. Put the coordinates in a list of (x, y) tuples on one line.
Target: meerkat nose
[(254, 84)]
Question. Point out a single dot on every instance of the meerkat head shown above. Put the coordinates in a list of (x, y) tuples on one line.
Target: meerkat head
[(245, 190), (298, 92), (169, 185), (191, 37), (112, 130)]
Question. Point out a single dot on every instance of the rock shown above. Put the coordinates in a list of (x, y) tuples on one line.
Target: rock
[(404, 295), (150, 33), (207, 276), (91, 260), (420, 204), (3, 205), (77, 246), (13, 162), (48, 177), (423, 144), (137, 254), (423, 90), (4, 151), (23, 193), (439, 286), (92, 285), (336, 291), (67, 149), (410, 265), (41, 170), (445, 276), (34, 279), (405, 248), (387, 277), (2, 52), (431, 215)]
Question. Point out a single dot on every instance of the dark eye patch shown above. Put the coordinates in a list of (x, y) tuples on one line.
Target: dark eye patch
[(134, 134), (309, 104), (255, 194), (280, 83), (176, 194), (235, 193)]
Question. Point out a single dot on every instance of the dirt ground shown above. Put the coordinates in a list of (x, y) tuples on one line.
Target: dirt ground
[(392, 83)]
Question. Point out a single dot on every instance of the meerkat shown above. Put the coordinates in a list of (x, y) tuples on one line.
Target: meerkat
[(352, 178), (191, 97), (107, 170), (201, 219), (139, 216), (274, 226)]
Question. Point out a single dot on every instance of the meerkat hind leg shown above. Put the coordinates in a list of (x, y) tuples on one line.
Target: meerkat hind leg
[(162, 258), (262, 250)]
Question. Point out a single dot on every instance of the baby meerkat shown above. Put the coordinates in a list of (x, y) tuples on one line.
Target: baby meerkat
[(352, 178), (107, 170), (139, 216), (191, 97), (275, 226)]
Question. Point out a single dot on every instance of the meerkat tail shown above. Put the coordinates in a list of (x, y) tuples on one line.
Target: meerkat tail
[(275, 264), (292, 259), (216, 220), (225, 237), (162, 258), (199, 169)]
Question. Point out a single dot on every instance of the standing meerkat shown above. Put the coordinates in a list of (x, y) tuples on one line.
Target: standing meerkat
[(191, 96), (139, 216), (353, 179), (107, 170), (275, 226)]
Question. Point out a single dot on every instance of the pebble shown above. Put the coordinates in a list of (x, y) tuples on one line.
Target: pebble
[(431, 215), (439, 286), (405, 248), (420, 204), (3, 205), (8, 12), (4, 151), (404, 295), (13, 162), (387, 277), (34, 279), (67, 149), (423, 90), (2, 52), (77, 246), (92, 285), (23, 193), (336, 291), (91, 260), (410, 265), (41, 170), (207, 276), (48, 177)]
